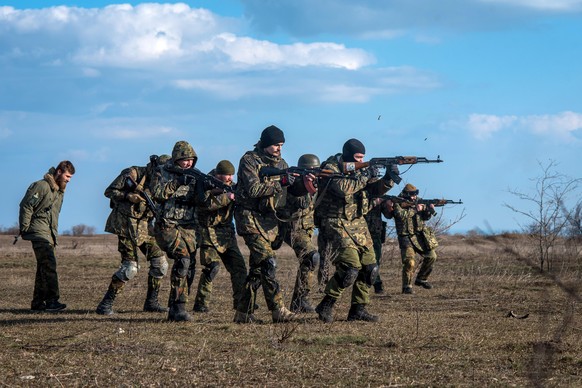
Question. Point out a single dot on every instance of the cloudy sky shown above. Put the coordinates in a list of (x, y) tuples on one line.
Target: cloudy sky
[(492, 86)]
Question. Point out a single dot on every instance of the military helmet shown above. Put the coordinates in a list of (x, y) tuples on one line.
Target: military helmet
[(409, 190), (183, 150), (308, 161)]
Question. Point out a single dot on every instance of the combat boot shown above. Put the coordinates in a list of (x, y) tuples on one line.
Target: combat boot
[(282, 314), (325, 309), (358, 312), (301, 305), (105, 307), (55, 305), (423, 284), (407, 290), (245, 318), (151, 303), (178, 313), (200, 308)]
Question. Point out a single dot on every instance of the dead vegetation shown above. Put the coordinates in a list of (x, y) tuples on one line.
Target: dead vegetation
[(458, 334)]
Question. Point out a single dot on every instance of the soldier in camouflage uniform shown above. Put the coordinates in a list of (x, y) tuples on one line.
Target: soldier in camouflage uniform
[(129, 220), (298, 233), (344, 203), (377, 228), (218, 240), (38, 221), (256, 221), (175, 228), (414, 237)]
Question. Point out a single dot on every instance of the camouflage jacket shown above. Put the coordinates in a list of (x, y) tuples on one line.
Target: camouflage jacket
[(344, 202), (39, 210), (411, 223), (177, 202), (215, 218), (258, 199), (299, 210), (128, 219)]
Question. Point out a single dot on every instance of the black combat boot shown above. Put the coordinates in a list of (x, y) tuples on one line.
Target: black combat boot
[(178, 312), (358, 313), (325, 309), (105, 307), (152, 303)]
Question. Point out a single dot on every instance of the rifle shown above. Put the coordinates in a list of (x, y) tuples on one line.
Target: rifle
[(131, 185), (386, 162), (311, 187), (436, 202), (209, 181), (268, 171)]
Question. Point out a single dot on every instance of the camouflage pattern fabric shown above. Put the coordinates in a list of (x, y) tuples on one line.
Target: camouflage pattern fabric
[(377, 229), (343, 204), (217, 240), (411, 229), (256, 222), (128, 219)]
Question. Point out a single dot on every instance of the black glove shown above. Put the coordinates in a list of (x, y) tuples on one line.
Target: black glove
[(287, 180), (392, 173)]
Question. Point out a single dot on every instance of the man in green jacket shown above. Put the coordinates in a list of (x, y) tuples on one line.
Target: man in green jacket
[(39, 220)]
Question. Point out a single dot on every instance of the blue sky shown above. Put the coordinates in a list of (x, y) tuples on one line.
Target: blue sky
[(492, 86)]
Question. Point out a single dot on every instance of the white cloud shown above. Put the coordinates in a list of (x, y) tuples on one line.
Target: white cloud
[(135, 133), (5, 133), (157, 36), (542, 5), (561, 125)]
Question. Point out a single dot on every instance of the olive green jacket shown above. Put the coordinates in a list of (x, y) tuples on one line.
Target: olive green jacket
[(39, 210)]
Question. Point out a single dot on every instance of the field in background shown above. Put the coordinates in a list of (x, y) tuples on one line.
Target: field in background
[(458, 334)]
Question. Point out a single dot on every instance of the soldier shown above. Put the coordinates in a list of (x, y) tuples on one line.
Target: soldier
[(298, 233), (344, 202), (413, 237), (175, 228), (257, 223), (218, 239), (129, 220), (38, 221)]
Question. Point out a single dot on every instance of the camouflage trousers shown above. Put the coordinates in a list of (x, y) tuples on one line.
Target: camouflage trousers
[(408, 254), (350, 259), (46, 282), (301, 240), (262, 272), (234, 263), (129, 256), (179, 244), (326, 257), (377, 243)]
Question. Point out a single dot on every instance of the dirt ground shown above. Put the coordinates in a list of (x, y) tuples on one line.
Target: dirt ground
[(460, 333)]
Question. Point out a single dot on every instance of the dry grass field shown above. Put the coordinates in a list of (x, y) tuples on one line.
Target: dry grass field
[(458, 334)]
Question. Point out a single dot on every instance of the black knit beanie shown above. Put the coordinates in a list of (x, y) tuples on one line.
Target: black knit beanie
[(351, 147), (271, 135)]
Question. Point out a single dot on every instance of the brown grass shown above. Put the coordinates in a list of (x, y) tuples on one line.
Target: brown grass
[(457, 334)]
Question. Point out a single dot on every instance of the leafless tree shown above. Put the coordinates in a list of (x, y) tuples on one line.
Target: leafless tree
[(547, 221)]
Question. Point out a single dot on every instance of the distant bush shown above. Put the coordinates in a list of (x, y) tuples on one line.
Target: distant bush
[(80, 230), (11, 230)]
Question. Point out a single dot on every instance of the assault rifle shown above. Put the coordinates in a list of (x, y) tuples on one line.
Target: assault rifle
[(436, 202), (311, 187), (209, 182), (132, 186), (386, 162), (268, 171)]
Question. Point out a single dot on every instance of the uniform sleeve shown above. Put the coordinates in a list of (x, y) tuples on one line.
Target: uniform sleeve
[(116, 190), (213, 202), (255, 187), (342, 187)]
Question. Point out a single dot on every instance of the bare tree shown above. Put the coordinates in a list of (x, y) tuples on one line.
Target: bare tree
[(547, 220)]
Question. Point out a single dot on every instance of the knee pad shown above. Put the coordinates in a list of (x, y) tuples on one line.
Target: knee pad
[(158, 267), (181, 266), (269, 267), (311, 260), (348, 278), (370, 273), (126, 271), (211, 270)]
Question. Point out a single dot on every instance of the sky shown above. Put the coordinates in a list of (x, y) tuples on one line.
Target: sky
[(491, 86)]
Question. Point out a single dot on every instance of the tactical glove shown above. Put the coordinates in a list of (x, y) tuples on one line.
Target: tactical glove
[(287, 180)]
